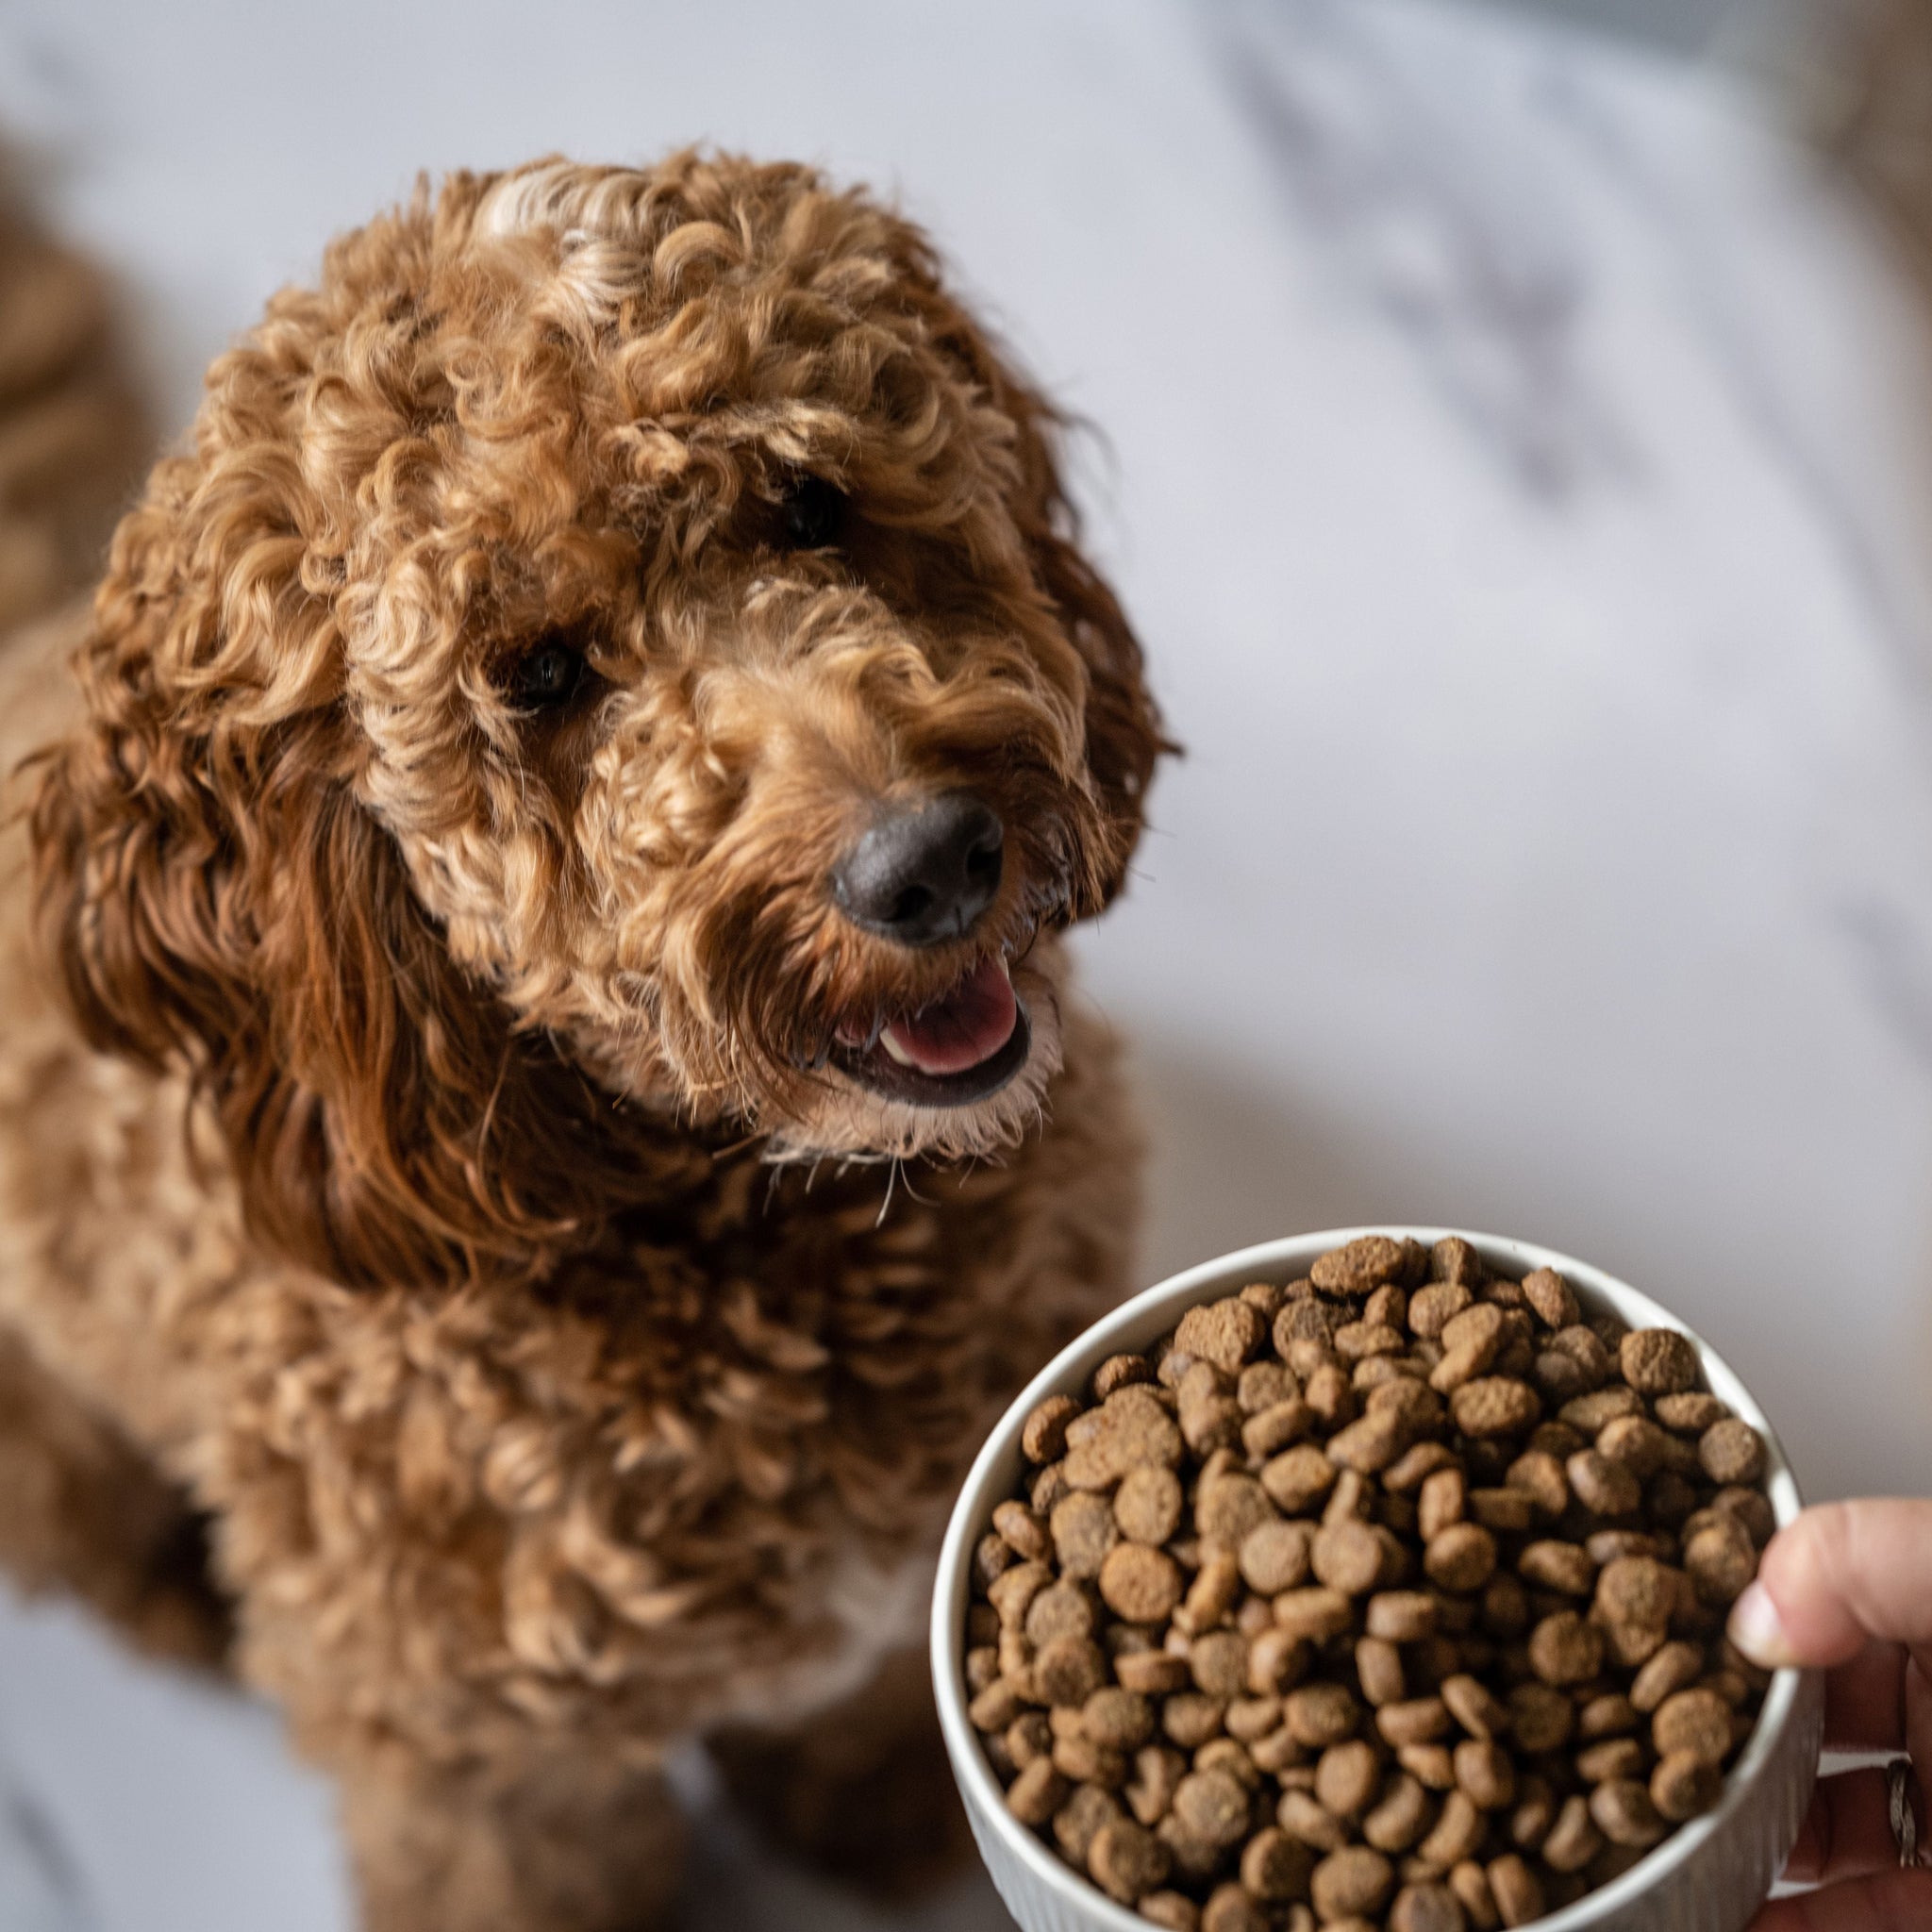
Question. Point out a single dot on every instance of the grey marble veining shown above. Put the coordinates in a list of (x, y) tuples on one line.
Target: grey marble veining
[(1486, 288)]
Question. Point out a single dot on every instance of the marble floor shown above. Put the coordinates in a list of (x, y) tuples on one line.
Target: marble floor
[(1518, 455)]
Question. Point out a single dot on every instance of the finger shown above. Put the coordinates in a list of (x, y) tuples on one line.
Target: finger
[(1847, 1832), (1837, 1576), (1894, 1901), (1865, 1701)]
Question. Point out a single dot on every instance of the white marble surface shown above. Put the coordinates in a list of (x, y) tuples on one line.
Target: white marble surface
[(1518, 466)]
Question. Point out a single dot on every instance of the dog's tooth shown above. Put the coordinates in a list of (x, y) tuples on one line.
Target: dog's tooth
[(896, 1052)]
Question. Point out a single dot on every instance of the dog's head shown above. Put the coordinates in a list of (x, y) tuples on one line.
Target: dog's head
[(614, 657)]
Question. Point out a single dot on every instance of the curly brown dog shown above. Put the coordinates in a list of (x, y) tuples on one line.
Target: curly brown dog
[(540, 1115)]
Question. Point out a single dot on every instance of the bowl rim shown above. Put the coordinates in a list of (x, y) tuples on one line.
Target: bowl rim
[(1145, 1316)]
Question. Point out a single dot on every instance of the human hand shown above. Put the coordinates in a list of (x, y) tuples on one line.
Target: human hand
[(1847, 1588)]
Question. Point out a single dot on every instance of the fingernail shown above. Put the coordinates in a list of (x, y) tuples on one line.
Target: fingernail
[(1758, 1631)]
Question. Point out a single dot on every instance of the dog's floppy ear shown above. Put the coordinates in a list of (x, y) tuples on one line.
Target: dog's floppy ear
[(1125, 738), (213, 896)]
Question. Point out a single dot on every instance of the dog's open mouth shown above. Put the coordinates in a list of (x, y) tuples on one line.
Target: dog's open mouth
[(963, 1048)]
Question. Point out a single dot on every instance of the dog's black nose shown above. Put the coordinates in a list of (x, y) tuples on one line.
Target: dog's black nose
[(923, 873)]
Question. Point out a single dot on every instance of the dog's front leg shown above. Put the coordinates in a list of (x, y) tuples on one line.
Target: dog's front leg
[(561, 1842)]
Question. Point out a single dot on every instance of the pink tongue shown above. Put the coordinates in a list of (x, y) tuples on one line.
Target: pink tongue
[(969, 1026)]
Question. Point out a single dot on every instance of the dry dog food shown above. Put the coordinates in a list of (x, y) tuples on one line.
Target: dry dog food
[(1394, 1597)]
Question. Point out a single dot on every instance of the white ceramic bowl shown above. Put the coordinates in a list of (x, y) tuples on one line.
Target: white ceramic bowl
[(1711, 1875)]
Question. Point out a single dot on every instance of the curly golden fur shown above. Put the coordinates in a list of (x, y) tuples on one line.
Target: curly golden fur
[(440, 1158)]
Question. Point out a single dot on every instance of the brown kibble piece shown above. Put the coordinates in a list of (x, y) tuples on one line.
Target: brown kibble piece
[(1347, 1556), (1083, 1532), (1432, 1766), (1081, 1817), (1023, 1531), (1685, 1786), (1315, 1614), (1379, 1670), (1603, 1487), (1638, 1591), (1225, 1333), (1353, 1883), (1574, 1840), (1674, 1668), (1190, 1718), (1211, 1806), (1721, 1561), (1069, 1671), (1126, 1860), (1474, 1706), (1400, 1817), (1174, 1912), (1621, 1811), (1540, 1718), (1443, 1499), (1751, 1509), (1690, 1414), (1487, 1772), (1550, 1296), (1152, 1672), (1275, 1660), (1150, 1790), (1563, 1567), (1276, 1427), (1230, 1909), (1298, 1478), (1121, 1719), (1013, 1592), (1493, 1407), (1613, 1758), (1220, 1664), (1037, 1793), (1360, 1267), (1453, 1260), (1062, 1609), (1227, 1508), (1415, 1720), (1043, 1437), (1309, 1822), (1348, 1777), (1401, 1615), (1457, 1833), (1513, 1885), (1139, 1584), (1563, 1649), (1318, 1715), (1541, 1475), (1274, 1557), (1147, 1505), (1732, 1451), (1431, 1308), (1461, 1557), (1697, 1721), (1426, 1907), (1274, 1867), (1658, 1361), (1121, 1372)]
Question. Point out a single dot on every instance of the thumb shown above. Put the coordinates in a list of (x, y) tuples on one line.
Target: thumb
[(1841, 1574)]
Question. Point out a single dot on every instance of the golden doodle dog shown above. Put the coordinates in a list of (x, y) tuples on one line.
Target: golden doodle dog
[(540, 1115)]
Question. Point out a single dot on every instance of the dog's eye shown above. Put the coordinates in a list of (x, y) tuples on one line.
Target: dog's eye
[(547, 676), (813, 514)]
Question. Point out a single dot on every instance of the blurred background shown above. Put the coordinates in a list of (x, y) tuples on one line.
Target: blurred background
[(1514, 439)]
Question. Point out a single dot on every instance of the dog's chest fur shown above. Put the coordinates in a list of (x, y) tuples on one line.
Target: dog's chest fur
[(696, 1476)]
